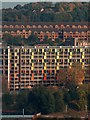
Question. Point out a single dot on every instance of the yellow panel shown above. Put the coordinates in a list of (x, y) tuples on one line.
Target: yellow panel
[(44, 67), (83, 63), (25, 50), (42, 50), (68, 50), (55, 50), (70, 53), (68, 60), (83, 53), (58, 53), (30, 50), (45, 64), (70, 56), (32, 57), (57, 68), (55, 61), (80, 60), (15, 64), (42, 60), (82, 56), (17, 50), (32, 53), (57, 57), (15, 54), (44, 57), (80, 49), (32, 68), (70, 63)]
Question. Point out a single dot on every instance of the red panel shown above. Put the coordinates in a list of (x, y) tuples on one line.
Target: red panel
[(44, 77)]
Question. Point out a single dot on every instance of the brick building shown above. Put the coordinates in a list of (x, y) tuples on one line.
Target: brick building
[(78, 30)]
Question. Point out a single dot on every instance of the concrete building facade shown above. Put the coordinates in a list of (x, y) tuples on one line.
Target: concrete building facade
[(29, 66)]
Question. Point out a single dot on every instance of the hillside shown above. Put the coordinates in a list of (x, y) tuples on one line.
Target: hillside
[(51, 12)]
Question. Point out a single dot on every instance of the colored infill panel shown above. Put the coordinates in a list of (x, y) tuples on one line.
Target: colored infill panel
[(44, 77), (42, 71)]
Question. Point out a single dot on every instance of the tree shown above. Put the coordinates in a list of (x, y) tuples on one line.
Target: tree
[(62, 76), (88, 100), (82, 99), (59, 102), (18, 7), (52, 12), (7, 101), (10, 40), (32, 39), (41, 100), (67, 97), (60, 16), (75, 73), (21, 100)]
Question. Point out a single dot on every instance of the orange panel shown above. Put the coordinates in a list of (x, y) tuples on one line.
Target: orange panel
[(32, 78), (42, 71)]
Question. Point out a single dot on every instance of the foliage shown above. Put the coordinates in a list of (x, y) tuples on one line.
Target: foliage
[(43, 12), (88, 97), (10, 40), (78, 72), (42, 100), (7, 98), (59, 102), (7, 101), (47, 100), (75, 74), (21, 100), (18, 40), (31, 40)]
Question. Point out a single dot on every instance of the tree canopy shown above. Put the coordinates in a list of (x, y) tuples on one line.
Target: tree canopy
[(47, 100), (74, 73), (43, 12)]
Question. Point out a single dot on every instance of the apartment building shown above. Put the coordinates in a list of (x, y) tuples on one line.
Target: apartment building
[(29, 66), (78, 30)]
